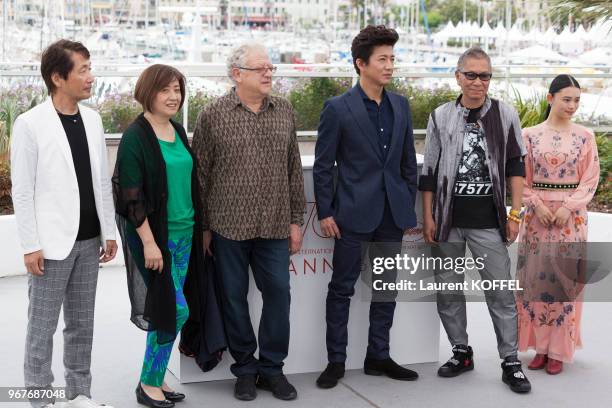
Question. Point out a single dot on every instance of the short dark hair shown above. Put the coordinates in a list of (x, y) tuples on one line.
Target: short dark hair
[(370, 37), (154, 79), (57, 58), (473, 52)]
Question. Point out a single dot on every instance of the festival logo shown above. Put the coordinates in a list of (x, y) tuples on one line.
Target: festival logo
[(315, 257)]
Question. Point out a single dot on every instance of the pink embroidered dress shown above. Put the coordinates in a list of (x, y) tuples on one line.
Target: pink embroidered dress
[(562, 169)]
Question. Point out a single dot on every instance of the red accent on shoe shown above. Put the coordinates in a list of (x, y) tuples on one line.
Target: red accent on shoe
[(538, 362), (466, 362), (554, 366)]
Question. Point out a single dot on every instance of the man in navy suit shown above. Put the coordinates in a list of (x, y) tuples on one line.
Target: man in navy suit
[(367, 132)]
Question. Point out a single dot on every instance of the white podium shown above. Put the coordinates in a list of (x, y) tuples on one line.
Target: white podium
[(416, 326)]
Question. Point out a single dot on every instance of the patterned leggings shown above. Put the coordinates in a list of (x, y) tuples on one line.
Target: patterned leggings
[(156, 355)]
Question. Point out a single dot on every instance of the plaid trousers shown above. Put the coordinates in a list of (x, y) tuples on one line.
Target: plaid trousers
[(70, 282)]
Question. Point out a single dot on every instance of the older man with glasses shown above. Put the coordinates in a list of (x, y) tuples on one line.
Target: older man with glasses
[(473, 149), (252, 189)]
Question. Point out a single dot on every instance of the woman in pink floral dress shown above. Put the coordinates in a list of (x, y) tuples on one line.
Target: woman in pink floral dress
[(562, 171)]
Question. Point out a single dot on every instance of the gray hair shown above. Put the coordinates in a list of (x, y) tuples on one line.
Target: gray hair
[(473, 52), (238, 56)]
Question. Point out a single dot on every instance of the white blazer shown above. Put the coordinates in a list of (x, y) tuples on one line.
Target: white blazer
[(45, 189)]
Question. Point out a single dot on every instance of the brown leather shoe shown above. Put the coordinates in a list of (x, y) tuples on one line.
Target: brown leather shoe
[(553, 366), (538, 362)]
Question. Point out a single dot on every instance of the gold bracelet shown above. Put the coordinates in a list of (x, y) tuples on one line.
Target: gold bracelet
[(516, 213), (515, 219)]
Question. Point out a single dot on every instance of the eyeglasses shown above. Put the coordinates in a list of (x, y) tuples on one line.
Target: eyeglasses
[(483, 76), (261, 70)]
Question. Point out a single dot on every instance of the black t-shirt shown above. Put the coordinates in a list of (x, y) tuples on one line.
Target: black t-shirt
[(473, 205), (89, 225)]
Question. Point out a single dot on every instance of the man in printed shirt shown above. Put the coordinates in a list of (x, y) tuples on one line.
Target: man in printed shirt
[(473, 146), (253, 199)]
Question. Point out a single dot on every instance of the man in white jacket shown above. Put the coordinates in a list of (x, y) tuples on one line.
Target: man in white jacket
[(65, 217)]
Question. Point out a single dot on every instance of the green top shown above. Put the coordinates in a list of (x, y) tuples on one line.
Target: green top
[(179, 166)]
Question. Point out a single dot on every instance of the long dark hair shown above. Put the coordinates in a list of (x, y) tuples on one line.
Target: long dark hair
[(559, 83)]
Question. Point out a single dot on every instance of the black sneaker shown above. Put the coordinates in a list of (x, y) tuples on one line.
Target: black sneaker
[(329, 378), (461, 361), (244, 389), (280, 387), (514, 376)]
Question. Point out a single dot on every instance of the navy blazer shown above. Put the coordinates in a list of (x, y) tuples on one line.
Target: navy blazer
[(348, 138)]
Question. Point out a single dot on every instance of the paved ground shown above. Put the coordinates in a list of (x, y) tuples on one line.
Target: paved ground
[(118, 350)]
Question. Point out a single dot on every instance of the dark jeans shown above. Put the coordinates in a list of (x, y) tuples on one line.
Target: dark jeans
[(269, 261), (347, 267)]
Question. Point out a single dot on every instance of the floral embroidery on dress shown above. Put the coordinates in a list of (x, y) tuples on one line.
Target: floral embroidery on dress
[(553, 158), (550, 306)]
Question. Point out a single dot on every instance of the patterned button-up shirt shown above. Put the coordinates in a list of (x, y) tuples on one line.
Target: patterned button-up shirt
[(249, 167)]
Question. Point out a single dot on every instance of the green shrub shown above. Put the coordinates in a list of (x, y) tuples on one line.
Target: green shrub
[(308, 97), (604, 150), (118, 111), (13, 102), (531, 111), (9, 110), (197, 101), (423, 101), (6, 204), (5, 141)]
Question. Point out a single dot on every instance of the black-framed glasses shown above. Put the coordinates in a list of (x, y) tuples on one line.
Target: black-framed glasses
[(483, 76), (261, 70)]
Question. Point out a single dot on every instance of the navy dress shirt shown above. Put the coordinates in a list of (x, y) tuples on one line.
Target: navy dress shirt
[(381, 117)]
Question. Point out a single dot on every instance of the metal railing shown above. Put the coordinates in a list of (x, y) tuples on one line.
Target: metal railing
[(506, 73)]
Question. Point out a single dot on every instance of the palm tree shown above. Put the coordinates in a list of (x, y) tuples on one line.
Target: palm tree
[(373, 6), (590, 9)]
